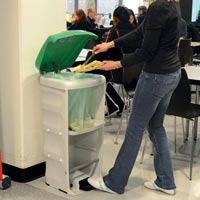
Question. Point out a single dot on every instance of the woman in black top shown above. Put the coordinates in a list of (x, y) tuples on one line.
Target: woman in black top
[(121, 26), (142, 11), (160, 76), (133, 19), (80, 21)]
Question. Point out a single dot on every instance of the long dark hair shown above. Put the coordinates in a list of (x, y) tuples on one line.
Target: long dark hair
[(133, 14), (122, 13)]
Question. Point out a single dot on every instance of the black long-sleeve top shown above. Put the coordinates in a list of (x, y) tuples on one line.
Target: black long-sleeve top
[(81, 25), (160, 34), (117, 53)]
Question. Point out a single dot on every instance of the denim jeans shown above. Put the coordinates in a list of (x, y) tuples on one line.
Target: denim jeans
[(151, 99)]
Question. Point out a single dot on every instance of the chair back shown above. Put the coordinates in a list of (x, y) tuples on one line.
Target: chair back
[(130, 78), (181, 96), (185, 52)]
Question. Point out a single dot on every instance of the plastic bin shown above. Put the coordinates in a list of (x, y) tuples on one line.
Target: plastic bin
[(73, 113)]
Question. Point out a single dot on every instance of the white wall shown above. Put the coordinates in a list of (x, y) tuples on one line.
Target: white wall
[(10, 106), (25, 24)]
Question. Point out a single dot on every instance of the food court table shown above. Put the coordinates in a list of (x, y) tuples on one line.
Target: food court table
[(195, 44), (193, 73)]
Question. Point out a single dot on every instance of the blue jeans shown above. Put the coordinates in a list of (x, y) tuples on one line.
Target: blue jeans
[(150, 103)]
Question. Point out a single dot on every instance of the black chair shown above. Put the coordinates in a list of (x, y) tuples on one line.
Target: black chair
[(180, 106), (185, 52), (130, 78)]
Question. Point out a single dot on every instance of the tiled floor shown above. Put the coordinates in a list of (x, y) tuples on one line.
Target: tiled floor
[(186, 190)]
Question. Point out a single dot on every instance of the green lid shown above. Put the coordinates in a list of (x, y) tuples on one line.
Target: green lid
[(61, 50)]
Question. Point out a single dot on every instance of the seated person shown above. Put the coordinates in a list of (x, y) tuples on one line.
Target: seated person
[(183, 29), (92, 19), (193, 32), (132, 19), (121, 26), (80, 21), (197, 22), (142, 11)]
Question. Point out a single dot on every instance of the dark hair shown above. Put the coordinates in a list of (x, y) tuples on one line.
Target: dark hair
[(132, 13), (122, 13), (143, 8)]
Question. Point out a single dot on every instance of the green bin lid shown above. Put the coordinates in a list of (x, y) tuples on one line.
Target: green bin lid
[(60, 51)]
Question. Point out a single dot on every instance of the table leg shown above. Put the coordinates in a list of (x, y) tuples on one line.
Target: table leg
[(195, 128), (196, 119), (187, 129), (197, 95)]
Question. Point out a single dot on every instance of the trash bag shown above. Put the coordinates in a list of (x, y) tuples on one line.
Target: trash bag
[(79, 109), (79, 101)]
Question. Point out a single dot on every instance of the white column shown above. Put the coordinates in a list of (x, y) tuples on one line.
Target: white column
[(25, 24)]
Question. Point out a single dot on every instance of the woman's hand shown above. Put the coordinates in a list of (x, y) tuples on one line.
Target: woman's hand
[(110, 65), (102, 47)]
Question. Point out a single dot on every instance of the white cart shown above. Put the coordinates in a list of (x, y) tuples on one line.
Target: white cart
[(71, 155)]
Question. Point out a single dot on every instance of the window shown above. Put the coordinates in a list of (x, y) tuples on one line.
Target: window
[(70, 6), (195, 9), (134, 6), (107, 6)]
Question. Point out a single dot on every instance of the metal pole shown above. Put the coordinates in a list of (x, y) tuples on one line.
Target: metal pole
[(76, 4)]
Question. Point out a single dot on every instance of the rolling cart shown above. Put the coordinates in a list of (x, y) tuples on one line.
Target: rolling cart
[(73, 113)]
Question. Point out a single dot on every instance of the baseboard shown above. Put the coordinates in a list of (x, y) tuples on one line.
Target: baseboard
[(24, 175)]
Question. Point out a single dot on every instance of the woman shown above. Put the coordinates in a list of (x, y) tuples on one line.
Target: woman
[(142, 10), (160, 76), (121, 26), (80, 21), (132, 18)]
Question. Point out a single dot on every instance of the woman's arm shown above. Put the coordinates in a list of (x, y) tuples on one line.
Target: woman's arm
[(145, 53), (154, 25), (131, 37), (152, 32)]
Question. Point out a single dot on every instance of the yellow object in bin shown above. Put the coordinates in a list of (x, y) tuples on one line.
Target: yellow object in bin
[(89, 67)]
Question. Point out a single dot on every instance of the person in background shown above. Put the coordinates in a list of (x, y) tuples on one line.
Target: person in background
[(79, 21), (193, 32), (93, 21), (160, 33), (92, 18), (142, 10), (183, 29), (121, 26), (132, 19), (197, 22)]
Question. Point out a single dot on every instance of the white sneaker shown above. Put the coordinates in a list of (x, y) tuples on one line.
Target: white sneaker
[(153, 186), (99, 184)]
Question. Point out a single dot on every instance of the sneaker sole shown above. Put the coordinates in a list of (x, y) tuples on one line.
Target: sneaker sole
[(153, 186)]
